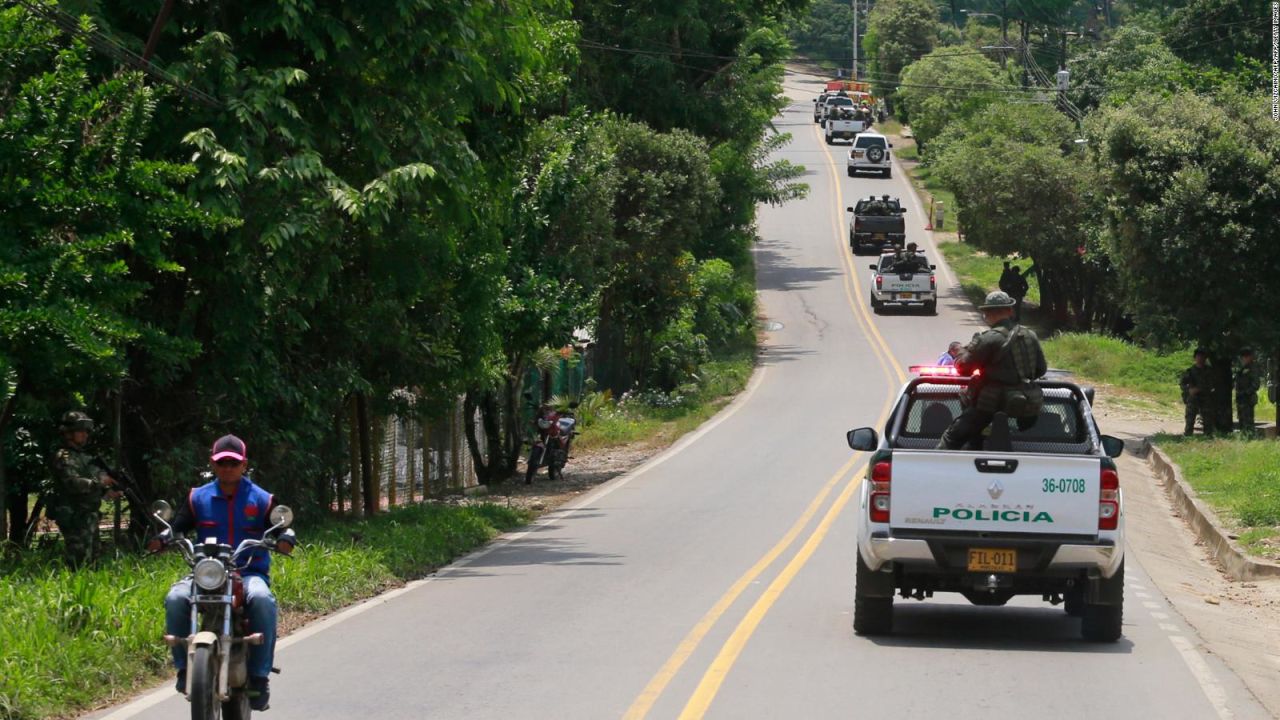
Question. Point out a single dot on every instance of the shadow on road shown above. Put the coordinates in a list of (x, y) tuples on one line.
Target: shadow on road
[(532, 551), (776, 272), (963, 627), (778, 354)]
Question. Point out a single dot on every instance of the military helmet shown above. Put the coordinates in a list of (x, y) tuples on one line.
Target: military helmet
[(76, 420), (1201, 351), (996, 300)]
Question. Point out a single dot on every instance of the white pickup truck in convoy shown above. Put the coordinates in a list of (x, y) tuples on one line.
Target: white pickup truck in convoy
[(1035, 512), (844, 123), (904, 280)]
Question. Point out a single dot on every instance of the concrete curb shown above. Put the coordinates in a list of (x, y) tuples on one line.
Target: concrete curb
[(1203, 520)]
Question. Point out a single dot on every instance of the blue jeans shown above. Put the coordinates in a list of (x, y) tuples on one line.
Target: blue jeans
[(260, 609)]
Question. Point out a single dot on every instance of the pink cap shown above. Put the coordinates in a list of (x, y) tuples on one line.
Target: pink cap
[(228, 446)]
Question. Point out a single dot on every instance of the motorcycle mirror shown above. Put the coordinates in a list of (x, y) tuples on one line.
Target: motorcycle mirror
[(281, 516), (162, 510)]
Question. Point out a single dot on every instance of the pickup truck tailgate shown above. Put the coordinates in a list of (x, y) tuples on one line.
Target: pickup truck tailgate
[(994, 492)]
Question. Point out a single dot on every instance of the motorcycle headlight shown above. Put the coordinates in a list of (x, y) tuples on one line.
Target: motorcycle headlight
[(210, 574)]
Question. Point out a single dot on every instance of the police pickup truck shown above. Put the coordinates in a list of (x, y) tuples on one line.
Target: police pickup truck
[(1034, 512), (904, 279)]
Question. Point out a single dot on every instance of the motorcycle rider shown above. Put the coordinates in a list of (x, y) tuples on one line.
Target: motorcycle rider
[(230, 508), (1003, 364)]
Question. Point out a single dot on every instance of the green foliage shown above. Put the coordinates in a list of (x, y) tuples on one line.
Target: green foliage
[(86, 217), (944, 87), (1191, 195), (1134, 60), (1018, 191), (899, 32), (824, 34), (1220, 32), (1120, 363), (656, 416), (979, 273), (1238, 478), (74, 639)]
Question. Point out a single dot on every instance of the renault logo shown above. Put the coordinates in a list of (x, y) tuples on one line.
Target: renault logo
[(995, 489)]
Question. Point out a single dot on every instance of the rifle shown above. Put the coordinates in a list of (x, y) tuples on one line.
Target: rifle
[(124, 481)]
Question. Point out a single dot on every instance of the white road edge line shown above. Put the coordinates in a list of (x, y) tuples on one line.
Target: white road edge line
[(1213, 690), (159, 695)]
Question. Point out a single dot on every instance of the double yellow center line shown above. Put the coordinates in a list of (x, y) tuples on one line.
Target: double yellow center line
[(714, 677)]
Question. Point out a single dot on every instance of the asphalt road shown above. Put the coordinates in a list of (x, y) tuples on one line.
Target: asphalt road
[(718, 579)]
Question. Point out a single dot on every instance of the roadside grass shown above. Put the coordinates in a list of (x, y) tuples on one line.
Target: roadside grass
[(1117, 362), (662, 418), (74, 640), (1240, 479), (891, 127), (979, 272)]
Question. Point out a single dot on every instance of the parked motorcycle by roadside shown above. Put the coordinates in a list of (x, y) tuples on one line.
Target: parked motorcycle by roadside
[(555, 433), (218, 644)]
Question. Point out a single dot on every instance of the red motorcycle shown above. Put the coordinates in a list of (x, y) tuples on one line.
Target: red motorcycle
[(551, 445)]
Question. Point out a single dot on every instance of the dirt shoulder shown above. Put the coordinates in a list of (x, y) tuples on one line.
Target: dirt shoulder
[(1237, 621)]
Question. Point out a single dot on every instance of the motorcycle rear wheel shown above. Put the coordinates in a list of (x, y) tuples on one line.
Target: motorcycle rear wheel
[(204, 685)]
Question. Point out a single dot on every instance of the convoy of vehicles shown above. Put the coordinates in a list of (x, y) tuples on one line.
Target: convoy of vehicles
[(905, 280), (870, 152), (1035, 512), (877, 224)]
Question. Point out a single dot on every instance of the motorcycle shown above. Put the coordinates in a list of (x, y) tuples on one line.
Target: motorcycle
[(218, 645), (556, 431)]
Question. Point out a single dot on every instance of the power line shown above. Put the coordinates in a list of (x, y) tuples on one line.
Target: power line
[(108, 45)]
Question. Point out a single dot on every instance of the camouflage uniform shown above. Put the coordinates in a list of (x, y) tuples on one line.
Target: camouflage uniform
[(1201, 403), (1247, 383), (1010, 358), (76, 500)]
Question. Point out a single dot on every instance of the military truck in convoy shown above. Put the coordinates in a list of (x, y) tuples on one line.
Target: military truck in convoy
[(1028, 512), (877, 224)]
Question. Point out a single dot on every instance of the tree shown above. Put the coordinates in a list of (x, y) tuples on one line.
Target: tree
[(666, 199), (824, 34), (561, 246), (944, 87), (86, 214), (1220, 32), (1133, 61), (899, 32), (365, 148), (1191, 193), (1023, 189)]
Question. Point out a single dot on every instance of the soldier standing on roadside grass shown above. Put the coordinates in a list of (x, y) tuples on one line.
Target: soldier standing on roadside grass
[(1247, 383), (1197, 394), (78, 488)]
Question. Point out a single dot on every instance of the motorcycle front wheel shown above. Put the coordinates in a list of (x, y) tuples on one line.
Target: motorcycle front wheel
[(535, 459), (237, 708), (204, 685)]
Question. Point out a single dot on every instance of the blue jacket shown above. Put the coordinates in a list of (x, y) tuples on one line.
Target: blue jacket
[(230, 520)]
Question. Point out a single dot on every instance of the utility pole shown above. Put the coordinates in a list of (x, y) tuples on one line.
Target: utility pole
[(1026, 54), (855, 41)]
